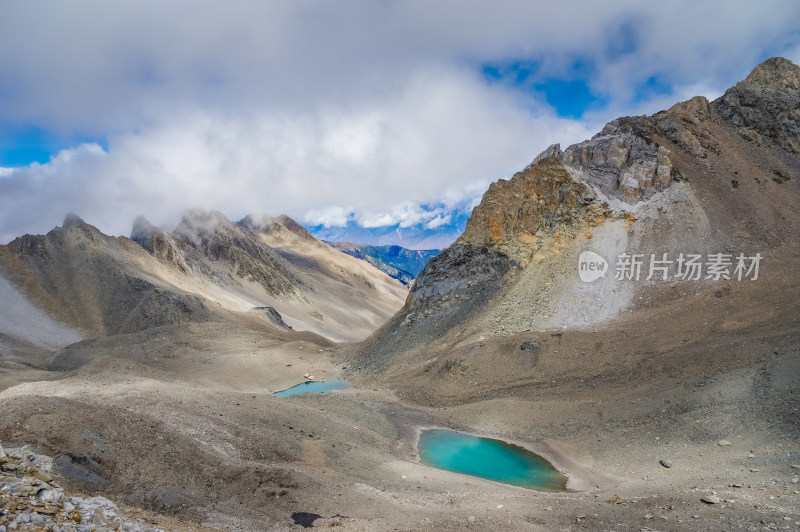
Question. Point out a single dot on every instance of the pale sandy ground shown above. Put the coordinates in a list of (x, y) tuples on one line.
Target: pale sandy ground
[(181, 422)]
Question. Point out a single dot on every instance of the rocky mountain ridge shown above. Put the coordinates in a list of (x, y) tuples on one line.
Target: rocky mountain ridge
[(203, 270), (766, 105), (669, 402), (74, 273), (699, 177), (210, 235)]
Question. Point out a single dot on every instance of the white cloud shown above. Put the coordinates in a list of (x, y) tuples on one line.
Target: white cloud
[(329, 217), (439, 221), (405, 215), (381, 160), (327, 111), (371, 221), (34, 198)]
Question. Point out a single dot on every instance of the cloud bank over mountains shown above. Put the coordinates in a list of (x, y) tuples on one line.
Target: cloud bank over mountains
[(366, 113)]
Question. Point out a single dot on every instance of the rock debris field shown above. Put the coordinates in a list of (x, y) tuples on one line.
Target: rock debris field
[(31, 500)]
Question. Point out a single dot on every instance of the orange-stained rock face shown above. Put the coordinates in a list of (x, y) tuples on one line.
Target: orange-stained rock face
[(517, 215)]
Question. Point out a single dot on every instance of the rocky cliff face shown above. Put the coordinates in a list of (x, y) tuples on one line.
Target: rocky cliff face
[(560, 193), (515, 217), (766, 105), (709, 177), (622, 161), (541, 209), (518, 221)]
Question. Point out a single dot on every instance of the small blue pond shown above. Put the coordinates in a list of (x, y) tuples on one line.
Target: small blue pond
[(313, 387), (490, 459)]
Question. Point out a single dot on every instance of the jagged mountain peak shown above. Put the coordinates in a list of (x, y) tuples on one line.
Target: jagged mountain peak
[(777, 72), (72, 219), (624, 162), (142, 229), (214, 234), (699, 177), (256, 222), (158, 243), (199, 221), (75, 226), (290, 224), (276, 231), (765, 107)]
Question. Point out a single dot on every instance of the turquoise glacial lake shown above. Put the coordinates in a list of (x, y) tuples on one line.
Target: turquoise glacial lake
[(490, 459), (313, 387)]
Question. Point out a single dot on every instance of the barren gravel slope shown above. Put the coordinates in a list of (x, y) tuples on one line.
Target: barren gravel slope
[(499, 337)]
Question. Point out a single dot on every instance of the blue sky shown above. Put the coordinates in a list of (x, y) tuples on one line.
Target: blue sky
[(570, 95), (24, 144), (362, 112)]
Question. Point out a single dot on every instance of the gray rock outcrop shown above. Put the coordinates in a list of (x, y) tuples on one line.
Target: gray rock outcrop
[(766, 104), (621, 161), (31, 500)]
